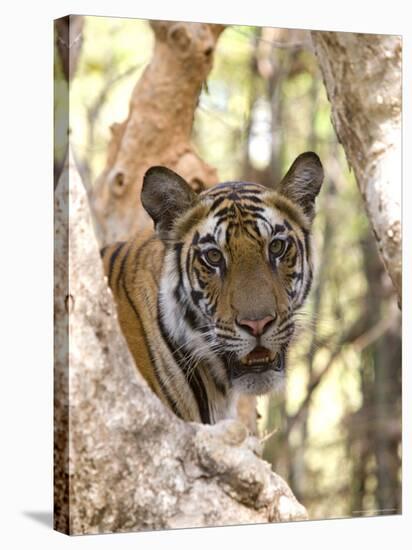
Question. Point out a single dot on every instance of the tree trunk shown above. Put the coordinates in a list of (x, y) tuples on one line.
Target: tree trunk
[(362, 74), (122, 460), (158, 127), (68, 40)]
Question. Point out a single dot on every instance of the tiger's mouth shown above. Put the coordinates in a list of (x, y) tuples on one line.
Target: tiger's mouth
[(259, 360), (259, 356)]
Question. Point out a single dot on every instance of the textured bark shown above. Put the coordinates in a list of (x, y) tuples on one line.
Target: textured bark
[(158, 127), (69, 40), (123, 461), (362, 74)]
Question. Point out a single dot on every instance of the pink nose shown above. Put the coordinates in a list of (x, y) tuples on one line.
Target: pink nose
[(256, 326)]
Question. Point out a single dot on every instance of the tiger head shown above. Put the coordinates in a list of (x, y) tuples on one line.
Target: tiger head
[(238, 266)]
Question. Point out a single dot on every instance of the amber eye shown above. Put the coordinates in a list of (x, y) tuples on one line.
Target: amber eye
[(277, 247), (213, 256)]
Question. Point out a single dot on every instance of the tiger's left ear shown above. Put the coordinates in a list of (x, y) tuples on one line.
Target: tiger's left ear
[(302, 182), (165, 195)]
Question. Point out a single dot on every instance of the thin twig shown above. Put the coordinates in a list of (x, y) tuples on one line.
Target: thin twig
[(274, 43), (268, 435)]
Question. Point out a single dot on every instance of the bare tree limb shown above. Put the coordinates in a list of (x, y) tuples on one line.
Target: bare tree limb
[(362, 74), (69, 40), (158, 127)]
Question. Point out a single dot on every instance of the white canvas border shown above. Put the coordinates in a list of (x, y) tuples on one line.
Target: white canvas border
[(26, 274)]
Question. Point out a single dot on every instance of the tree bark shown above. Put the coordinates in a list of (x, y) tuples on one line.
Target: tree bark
[(158, 127), (362, 74), (68, 40), (123, 461)]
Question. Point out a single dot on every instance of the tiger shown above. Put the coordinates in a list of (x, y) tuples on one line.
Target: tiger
[(207, 299)]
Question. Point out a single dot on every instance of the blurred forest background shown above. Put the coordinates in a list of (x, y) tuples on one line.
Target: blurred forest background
[(335, 435)]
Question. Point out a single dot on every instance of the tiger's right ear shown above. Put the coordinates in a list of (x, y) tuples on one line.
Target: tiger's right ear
[(302, 182), (165, 196)]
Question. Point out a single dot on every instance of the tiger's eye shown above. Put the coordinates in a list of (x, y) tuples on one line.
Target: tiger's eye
[(276, 247), (214, 256)]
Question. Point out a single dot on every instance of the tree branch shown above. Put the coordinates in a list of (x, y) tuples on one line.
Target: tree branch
[(158, 127), (362, 75)]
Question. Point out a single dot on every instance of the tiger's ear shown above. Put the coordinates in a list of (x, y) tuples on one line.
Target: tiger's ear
[(165, 195), (302, 182)]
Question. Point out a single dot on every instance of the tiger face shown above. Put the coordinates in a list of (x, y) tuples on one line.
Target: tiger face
[(238, 266)]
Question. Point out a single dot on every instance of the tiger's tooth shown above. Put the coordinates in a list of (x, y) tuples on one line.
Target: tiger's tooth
[(260, 362)]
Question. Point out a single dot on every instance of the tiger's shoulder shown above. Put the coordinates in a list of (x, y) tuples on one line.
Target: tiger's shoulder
[(142, 252), (133, 270)]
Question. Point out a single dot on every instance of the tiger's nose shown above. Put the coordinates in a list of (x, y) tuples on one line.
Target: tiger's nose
[(257, 326)]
